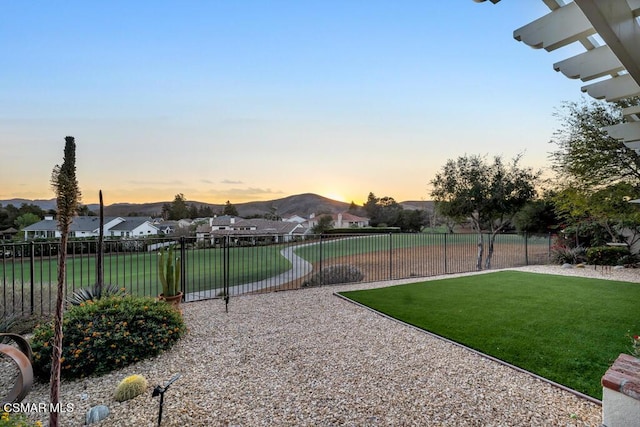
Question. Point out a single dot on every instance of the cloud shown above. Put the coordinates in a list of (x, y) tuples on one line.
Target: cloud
[(230, 181), (153, 183), (245, 192)]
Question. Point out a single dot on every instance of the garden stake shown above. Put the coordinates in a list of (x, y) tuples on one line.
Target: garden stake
[(160, 391)]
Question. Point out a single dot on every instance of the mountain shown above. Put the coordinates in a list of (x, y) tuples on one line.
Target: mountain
[(41, 203), (424, 205), (299, 204)]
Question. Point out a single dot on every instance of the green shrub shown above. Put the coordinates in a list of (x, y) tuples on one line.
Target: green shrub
[(566, 255), (107, 334), (607, 255), (130, 387), (91, 294)]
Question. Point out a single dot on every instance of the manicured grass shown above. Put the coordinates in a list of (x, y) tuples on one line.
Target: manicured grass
[(138, 271), (566, 329)]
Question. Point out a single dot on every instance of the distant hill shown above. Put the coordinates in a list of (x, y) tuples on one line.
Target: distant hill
[(299, 204), (41, 203), (425, 205)]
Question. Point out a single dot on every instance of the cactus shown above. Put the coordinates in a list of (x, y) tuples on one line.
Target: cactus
[(130, 387), (169, 272)]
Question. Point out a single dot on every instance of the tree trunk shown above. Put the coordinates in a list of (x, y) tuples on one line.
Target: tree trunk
[(487, 262), (480, 251)]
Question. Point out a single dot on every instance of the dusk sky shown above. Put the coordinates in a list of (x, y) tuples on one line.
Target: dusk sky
[(258, 100)]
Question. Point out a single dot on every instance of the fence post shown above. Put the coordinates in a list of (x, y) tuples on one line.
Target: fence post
[(320, 261), (390, 257), (32, 272), (526, 248), (445, 254), (225, 272), (183, 258)]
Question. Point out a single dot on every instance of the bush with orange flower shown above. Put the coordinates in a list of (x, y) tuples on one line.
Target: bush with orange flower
[(107, 334)]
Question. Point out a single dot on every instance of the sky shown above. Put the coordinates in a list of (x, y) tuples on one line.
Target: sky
[(258, 100)]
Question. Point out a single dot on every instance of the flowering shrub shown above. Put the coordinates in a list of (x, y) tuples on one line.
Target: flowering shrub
[(635, 346), (16, 420), (107, 334)]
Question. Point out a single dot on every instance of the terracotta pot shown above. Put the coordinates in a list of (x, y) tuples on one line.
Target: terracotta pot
[(174, 300)]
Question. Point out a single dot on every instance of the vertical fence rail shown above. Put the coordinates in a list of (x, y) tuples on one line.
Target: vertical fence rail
[(223, 266)]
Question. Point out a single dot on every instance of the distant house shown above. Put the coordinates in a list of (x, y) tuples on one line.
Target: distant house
[(89, 226), (341, 220), (294, 218), (166, 227), (8, 234), (249, 230)]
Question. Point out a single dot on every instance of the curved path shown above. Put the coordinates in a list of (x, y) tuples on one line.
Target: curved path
[(299, 268)]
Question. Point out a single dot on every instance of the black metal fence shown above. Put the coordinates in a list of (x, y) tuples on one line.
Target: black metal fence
[(248, 263)]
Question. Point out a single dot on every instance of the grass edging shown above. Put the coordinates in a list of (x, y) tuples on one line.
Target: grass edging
[(502, 362)]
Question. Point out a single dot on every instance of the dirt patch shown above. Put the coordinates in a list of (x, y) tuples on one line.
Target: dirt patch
[(429, 261)]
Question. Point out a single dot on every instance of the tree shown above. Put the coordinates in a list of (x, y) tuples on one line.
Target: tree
[(606, 207), (65, 185), (26, 220), (412, 220), (229, 209), (585, 153), (487, 194), (383, 212), (597, 175), (325, 222), (537, 216), (178, 209)]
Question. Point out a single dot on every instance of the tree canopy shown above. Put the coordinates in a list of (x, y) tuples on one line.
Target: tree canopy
[(488, 194), (597, 174), (585, 154)]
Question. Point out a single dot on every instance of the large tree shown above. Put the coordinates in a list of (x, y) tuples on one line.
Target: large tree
[(585, 154), (178, 209), (488, 194), (229, 209), (596, 174), (65, 185)]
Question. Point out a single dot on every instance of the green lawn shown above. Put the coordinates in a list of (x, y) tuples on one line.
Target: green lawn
[(138, 271), (566, 329)]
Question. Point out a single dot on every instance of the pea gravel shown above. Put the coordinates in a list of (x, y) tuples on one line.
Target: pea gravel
[(309, 358)]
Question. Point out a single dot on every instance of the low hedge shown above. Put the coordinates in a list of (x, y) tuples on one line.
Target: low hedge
[(607, 255), (363, 230), (107, 334)]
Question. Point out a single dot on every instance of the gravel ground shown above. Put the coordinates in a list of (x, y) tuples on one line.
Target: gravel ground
[(307, 357)]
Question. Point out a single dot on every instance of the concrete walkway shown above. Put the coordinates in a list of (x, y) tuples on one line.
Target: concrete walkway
[(299, 268)]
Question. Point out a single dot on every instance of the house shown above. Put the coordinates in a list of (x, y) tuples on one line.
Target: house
[(294, 218), (166, 227), (8, 234), (89, 226), (341, 220), (249, 230)]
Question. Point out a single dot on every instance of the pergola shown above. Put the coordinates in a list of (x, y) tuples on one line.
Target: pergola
[(609, 31)]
